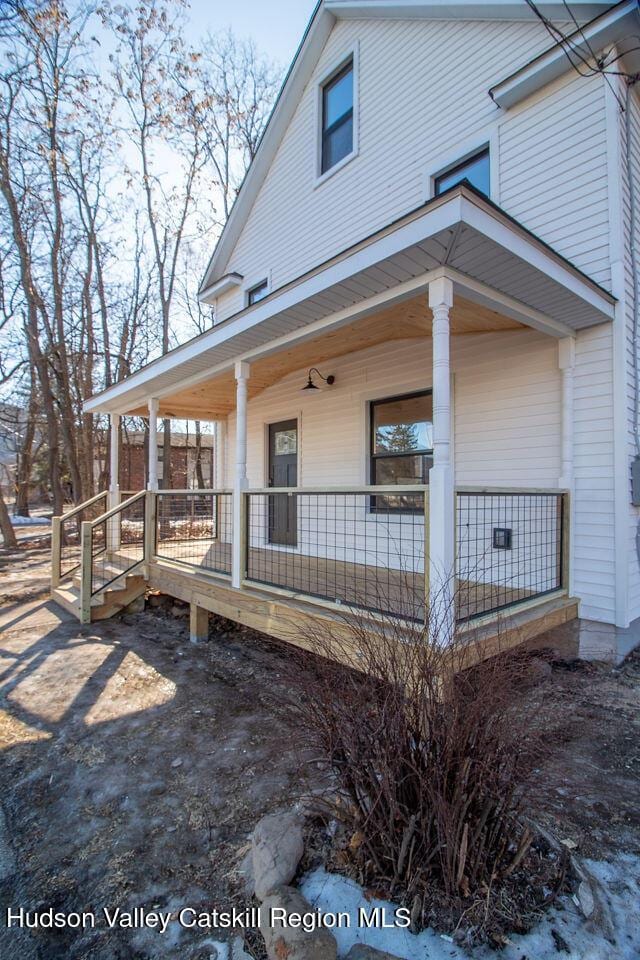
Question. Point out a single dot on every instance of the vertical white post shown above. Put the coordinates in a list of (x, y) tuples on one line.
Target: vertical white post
[(240, 478), (152, 470), (567, 363), (441, 485), (113, 524)]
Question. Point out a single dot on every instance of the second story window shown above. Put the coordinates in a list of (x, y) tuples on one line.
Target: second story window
[(337, 117), (258, 292), (476, 169)]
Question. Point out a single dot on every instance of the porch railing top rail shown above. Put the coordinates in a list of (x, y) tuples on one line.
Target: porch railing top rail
[(353, 488), (202, 492), (117, 509), (83, 506), (496, 489)]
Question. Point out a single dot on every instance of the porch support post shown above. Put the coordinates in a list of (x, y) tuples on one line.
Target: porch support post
[(113, 525), (441, 485), (152, 468), (567, 362), (240, 484), (198, 623)]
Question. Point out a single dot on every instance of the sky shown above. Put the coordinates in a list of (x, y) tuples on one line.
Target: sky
[(276, 26)]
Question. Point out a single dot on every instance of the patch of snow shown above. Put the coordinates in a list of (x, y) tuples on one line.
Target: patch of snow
[(619, 885), (19, 521)]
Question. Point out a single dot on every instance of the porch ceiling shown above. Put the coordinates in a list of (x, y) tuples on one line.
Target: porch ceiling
[(409, 319), (492, 260)]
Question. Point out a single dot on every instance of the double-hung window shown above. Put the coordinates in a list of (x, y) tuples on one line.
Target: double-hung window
[(401, 443), (337, 118)]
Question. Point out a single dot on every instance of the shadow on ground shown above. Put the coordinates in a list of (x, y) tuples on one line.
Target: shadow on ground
[(133, 768)]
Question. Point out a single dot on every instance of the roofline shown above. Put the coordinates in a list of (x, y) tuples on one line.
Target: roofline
[(317, 31), (313, 36), (553, 62), (462, 191)]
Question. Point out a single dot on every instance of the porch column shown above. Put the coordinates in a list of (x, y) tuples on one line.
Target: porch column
[(152, 468), (441, 485), (114, 454), (567, 363), (113, 525), (240, 484)]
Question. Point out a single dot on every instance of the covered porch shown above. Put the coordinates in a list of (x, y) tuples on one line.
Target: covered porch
[(456, 303)]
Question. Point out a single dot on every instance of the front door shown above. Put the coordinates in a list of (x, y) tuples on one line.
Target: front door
[(283, 472)]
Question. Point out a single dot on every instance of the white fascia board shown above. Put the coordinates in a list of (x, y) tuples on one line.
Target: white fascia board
[(290, 95), (584, 10), (536, 255), (228, 282), (614, 25)]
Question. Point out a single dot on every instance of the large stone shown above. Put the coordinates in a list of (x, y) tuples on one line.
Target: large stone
[(292, 942), (277, 848), (360, 951)]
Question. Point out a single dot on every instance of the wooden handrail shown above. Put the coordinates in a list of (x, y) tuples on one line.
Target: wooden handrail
[(475, 488), (116, 509), (368, 490), (82, 506), (206, 492)]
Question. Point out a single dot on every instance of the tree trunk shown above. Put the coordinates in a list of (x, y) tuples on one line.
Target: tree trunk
[(6, 527), (198, 452)]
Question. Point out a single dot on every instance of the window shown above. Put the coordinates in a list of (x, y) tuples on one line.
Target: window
[(401, 443), (337, 118), (476, 170), (257, 293)]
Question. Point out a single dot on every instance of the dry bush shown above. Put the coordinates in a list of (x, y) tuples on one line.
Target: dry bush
[(434, 752)]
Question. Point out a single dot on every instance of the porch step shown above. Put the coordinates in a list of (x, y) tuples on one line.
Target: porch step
[(117, 597)]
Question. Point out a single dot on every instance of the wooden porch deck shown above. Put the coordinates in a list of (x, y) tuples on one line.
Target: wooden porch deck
[(367, 586)]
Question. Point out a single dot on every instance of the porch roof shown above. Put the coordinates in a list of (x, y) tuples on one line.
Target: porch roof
[(494, 262)]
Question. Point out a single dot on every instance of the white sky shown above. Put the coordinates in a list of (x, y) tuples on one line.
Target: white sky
[(276, 26)]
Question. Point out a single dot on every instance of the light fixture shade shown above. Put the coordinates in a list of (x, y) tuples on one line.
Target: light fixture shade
[(310, 385)]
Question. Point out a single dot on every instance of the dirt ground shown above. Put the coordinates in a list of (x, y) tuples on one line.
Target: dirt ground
[(134, 765)]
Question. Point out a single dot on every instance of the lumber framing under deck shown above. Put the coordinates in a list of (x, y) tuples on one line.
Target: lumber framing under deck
[(290, 618)]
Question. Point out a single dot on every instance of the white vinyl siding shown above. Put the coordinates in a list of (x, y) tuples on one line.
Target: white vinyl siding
[(553, 171), (422, 91), (506, 428)]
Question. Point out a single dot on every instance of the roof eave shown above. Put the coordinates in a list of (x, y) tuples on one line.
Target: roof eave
[(609, 27)]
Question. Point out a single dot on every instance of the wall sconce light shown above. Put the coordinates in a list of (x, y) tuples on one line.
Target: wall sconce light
[(310, 385)]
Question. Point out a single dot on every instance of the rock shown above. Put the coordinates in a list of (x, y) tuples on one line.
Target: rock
[(540, 669), (360, 951), (177, 762), (585, 898), (277, 847), (292, 942)]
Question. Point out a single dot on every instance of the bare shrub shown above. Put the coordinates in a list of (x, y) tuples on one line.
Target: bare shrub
[(434, 748)]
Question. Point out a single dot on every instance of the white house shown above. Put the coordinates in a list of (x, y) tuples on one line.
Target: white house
[(438, 232)]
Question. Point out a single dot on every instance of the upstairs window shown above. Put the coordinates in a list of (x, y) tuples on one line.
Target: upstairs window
[(337, 118), (258, 292), (475, 169)]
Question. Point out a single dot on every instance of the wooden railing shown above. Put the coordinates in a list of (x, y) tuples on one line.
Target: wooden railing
[(112, 546), (65, 537)]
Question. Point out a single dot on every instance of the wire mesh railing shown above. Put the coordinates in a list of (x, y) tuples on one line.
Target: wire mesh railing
[(194, 527), (362, 547), (509, 548), (66, 535), (117, 543)]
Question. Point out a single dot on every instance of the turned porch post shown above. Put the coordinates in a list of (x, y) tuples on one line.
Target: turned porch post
[(242, 372), (441, 485), (152, 467), (567, 363), (113, 525)]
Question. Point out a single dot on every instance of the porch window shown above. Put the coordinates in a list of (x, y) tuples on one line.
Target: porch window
[(401, 443), (475, 169), (337, 117)]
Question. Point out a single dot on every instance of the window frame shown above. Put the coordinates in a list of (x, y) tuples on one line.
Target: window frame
[(351, 57), (459, 164), (377, 504), (255, 287)]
